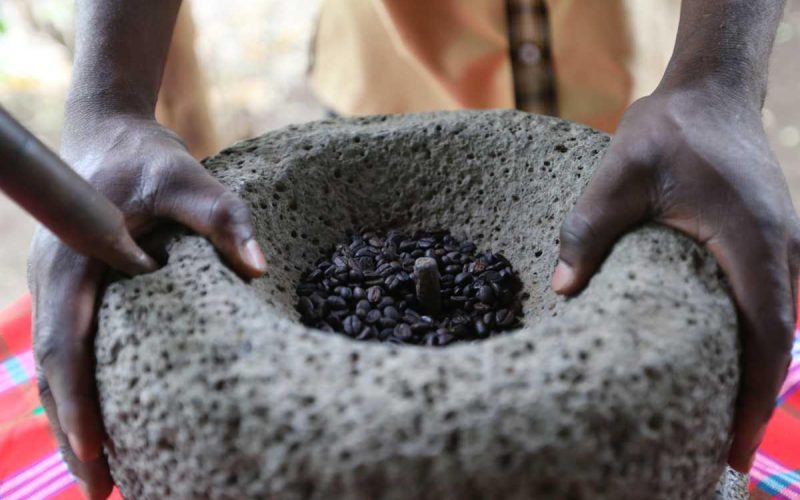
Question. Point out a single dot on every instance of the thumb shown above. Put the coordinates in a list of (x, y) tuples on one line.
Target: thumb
[(194, 198), (615, 200)]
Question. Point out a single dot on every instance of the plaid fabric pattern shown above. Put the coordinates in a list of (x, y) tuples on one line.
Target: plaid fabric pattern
[(531, 61), (32, 468)]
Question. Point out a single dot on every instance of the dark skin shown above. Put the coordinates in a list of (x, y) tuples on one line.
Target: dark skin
[(693, 156)]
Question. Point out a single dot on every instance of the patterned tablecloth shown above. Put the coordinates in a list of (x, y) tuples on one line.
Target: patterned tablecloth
[(31, 466)]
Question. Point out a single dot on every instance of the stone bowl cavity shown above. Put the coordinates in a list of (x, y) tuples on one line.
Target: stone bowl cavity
[(211, 388)]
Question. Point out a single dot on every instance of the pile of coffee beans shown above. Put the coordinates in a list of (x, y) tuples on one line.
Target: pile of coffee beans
[(366, 290)]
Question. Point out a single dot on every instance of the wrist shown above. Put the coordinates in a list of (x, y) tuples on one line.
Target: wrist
[(722, 85), (102, 101), (103, 116)]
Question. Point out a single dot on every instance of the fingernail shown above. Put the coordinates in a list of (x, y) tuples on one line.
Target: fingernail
[(251, 253), (750, 462), (563, 277), (147, 262)]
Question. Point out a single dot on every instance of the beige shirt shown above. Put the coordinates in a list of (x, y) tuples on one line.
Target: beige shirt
[(398, 56)]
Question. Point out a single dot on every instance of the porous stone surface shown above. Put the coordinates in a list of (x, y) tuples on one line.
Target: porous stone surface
[(211, 387)]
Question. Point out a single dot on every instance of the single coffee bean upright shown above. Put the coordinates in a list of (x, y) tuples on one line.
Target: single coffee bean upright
[(426, 272)]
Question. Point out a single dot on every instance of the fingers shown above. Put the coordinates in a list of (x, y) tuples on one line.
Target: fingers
[(615, 200), (63, 343), (194, 198), (93, 475), (759, 274)]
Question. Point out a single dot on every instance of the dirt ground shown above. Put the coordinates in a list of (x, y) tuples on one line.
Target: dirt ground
[(256, 72)]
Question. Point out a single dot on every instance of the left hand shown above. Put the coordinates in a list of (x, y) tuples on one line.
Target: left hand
[(698, 160)]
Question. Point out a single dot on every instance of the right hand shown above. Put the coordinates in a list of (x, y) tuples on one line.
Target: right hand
[(146, 171)]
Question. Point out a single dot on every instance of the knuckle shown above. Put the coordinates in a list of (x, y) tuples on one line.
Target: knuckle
[(46, 348), (576, 230), (156, 186), (229, 210), (45, 393)]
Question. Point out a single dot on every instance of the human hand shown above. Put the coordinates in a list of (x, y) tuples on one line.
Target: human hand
[(144, 169), (697, 159)]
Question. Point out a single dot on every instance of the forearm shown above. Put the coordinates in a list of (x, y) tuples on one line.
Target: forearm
[(725, 43), (121, 48)]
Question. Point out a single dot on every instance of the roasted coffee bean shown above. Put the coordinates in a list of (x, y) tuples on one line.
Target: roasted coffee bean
[(501, 316), (464, 278), (420, 327), (367, 252), (367, 333), (497, 266), (335, 322), (306, 307), (407, 245), (412, 314), (390, 252), (373, 316), (492, 276), (387, 322), (385, 301), (507, 320), (317, 299), (359, 293), (481, 330), (403, 331), (391, 312), (352, 325), (344, 292), (443, 339), (480, 307), (460, 331), (374, 294), (336, 302), (426, 243), (392, 283), (408, 318), (485, 294)]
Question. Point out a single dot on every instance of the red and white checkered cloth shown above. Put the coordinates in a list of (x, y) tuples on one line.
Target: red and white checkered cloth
[(31, 466)]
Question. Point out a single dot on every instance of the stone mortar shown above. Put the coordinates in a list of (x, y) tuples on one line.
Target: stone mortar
[(211, 388)]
